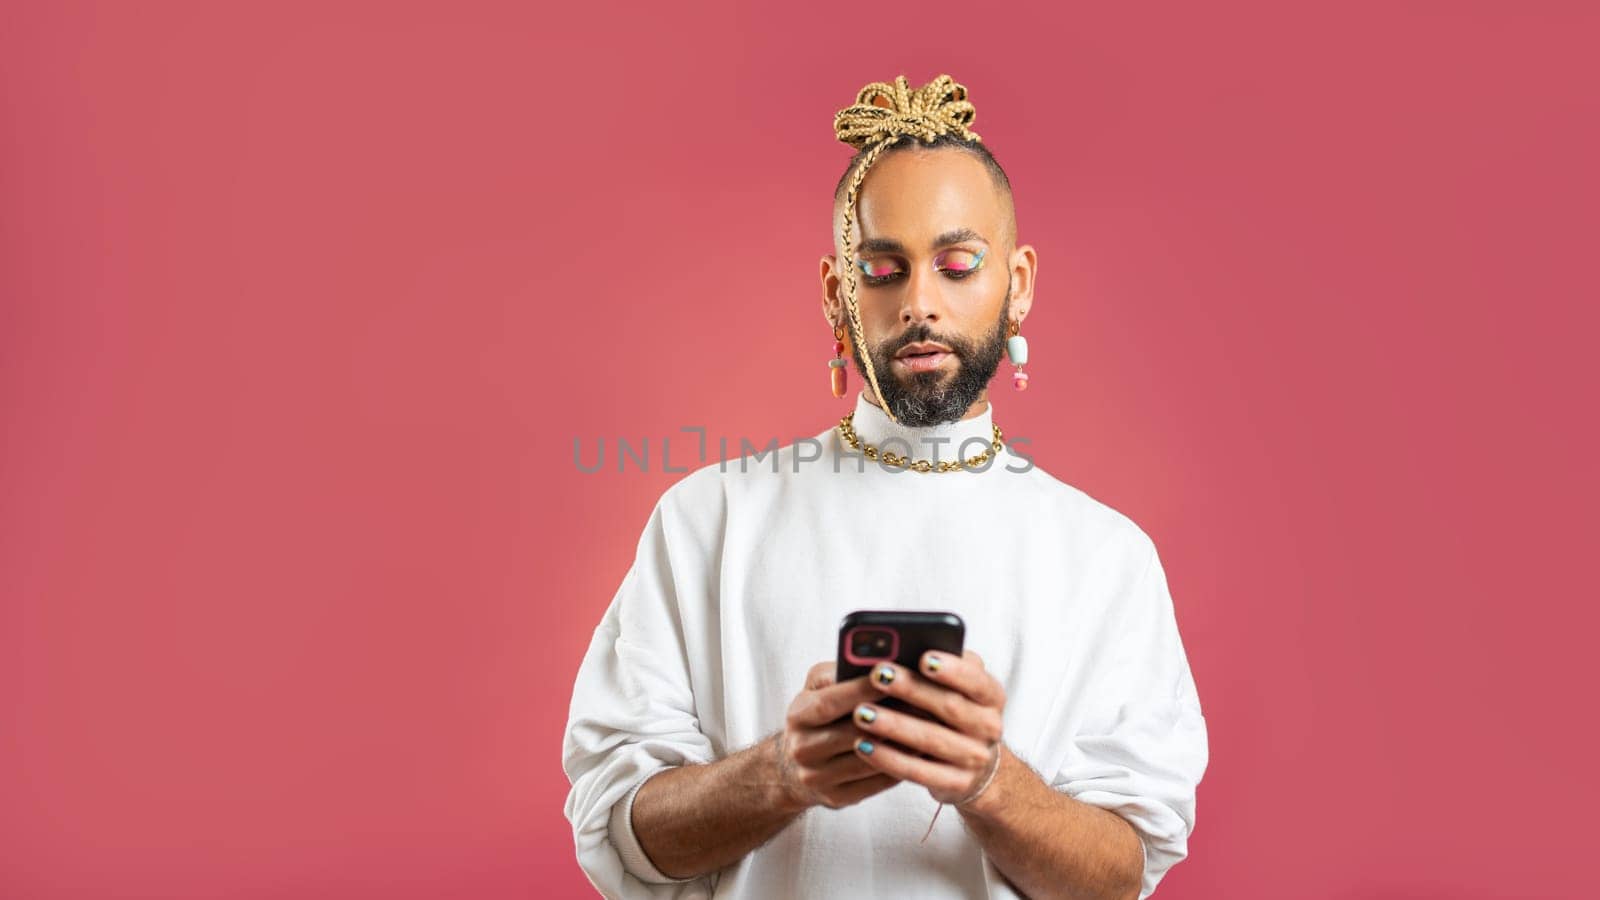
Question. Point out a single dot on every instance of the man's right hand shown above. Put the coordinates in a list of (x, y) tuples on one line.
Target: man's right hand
[(692, 820), (817, 764)]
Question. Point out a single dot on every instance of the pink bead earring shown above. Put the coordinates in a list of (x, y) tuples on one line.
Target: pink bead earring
[(836, 365), (1017, 349)]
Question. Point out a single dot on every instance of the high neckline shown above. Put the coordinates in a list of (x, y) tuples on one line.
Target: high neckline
[(940, 442)]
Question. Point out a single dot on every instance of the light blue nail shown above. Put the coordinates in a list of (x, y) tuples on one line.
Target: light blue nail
[(865, 747)]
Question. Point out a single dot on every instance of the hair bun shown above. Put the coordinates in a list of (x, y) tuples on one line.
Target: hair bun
[(885, 111)]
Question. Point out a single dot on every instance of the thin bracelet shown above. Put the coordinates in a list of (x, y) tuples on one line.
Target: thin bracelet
[(993, 771)]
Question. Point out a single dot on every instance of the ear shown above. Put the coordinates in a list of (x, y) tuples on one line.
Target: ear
[(1024, 266), (832, 303)]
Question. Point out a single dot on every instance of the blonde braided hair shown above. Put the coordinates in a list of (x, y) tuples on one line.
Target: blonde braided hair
[(882, 115)]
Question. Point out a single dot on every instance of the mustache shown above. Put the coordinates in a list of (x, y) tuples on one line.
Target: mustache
[(961, 347)]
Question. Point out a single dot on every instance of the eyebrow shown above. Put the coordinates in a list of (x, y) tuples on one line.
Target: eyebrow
[(890, 245)]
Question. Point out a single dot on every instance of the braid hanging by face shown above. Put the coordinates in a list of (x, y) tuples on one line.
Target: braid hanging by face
[(882, 116)]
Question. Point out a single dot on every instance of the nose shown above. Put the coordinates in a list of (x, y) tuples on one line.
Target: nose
[(922, 300)]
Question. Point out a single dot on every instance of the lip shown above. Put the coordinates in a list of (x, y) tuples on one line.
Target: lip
[(921, 347), (925, 362)]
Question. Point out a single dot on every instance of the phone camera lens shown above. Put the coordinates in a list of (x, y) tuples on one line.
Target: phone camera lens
[(873, 644)]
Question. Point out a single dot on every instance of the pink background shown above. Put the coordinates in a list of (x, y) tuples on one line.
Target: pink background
[(302, 308)]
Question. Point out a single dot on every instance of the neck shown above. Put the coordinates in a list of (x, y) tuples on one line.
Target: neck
[(962, 438)]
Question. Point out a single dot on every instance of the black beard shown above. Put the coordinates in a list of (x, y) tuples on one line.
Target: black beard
[(928, 398)]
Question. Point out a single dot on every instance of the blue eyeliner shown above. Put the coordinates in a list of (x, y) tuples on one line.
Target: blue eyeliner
[(977, 263)]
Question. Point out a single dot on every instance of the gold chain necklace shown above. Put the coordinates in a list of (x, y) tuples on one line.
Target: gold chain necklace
[(847, 430)]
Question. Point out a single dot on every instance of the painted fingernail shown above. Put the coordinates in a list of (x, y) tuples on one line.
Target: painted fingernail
[(934, 663), (885, 674), (866, 713), (865, 746)]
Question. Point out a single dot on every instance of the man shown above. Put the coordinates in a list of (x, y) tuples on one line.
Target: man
[(710, 750)]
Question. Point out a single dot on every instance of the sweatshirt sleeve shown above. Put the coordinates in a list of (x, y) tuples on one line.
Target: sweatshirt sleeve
[(632, 716), (1141, 749)]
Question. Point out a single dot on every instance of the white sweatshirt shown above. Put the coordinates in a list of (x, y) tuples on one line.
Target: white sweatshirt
[(742, 576)]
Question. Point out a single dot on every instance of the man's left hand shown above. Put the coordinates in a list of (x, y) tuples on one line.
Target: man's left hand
[(963, 744)]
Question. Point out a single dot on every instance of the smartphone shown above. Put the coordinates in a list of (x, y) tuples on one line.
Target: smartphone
[(871, 636)]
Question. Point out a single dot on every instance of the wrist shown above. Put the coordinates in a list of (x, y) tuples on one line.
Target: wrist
[(990, 801), (784, 794)]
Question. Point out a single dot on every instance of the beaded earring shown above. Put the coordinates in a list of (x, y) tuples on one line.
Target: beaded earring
[(836, 365), (1017, 349)]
